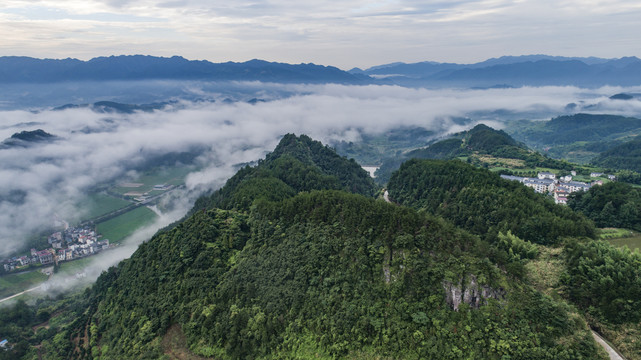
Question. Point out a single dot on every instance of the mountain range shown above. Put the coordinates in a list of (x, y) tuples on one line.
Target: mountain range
[(507, 71), (14, 69), (513, 71)]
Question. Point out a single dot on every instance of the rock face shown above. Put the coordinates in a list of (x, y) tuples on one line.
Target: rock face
[(472, 293)]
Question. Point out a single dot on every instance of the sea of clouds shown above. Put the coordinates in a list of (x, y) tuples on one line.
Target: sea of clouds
[(47, 181)]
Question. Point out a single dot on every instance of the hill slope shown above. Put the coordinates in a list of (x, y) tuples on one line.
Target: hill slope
[(481, 202), (321, 274), (625, 156), (578, 137), (297, 164), (474, 144)]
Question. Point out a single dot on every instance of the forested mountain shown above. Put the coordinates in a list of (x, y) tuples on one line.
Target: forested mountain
[(625, 156), (293, 258), (480, 140), (295, 272), (579, 127), (14, 69), (27, 138), (578, 137), (328, 275), (481, 202), (297, 164)]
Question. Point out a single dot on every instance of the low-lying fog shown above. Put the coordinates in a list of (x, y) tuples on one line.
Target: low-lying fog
[(41, 182)]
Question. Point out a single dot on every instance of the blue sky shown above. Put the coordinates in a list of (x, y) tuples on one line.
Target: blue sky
[(343, 33)]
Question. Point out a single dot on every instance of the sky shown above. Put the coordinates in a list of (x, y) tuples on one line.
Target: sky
[(347, 33)]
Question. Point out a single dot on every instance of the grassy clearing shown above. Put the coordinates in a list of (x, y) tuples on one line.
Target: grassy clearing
[(174, 345), (120, 227), (615, 233), (633, 243), (622, 237), (15, 283), (544, 271), (505, 162), (74, 266)]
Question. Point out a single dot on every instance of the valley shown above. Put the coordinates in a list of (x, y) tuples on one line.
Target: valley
[(252, 220)]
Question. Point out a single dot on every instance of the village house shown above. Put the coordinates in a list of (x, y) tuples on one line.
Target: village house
[(561, 195), (45, 257), (546, 175), (540, 185)]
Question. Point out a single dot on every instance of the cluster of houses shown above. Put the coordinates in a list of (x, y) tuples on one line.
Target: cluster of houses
[(70, 244), (547, 183)]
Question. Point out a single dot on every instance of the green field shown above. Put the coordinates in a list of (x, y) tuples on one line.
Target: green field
[(120, 227), (99, 204), (74, 266), (172, 176), (15, 283), (622, 237), (633, 243)]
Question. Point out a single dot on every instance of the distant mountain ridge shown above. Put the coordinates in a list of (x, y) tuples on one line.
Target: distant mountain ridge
[(14, 69), (533, 70), (506, 71)]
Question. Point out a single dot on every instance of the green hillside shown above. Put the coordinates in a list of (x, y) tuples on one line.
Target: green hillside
[(626, 156), (611, 205), (325, 274), (292, 260), (297, 164), (577, 138), (601, 280), (481, 202), (482, 146)]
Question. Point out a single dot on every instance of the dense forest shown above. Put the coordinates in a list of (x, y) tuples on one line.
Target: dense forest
[(626, 156), (329, 274), (568, 129), (611, 205), (295, 258), (478, 141), (579, 137), (297, 164), (481, 202)]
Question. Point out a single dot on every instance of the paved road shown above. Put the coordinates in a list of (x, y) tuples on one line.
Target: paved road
[(611, 352)]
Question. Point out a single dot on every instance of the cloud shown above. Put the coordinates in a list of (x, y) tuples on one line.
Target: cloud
[(44, 181), (346, 34)]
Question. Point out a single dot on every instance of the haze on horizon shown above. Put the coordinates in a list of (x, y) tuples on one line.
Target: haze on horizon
[(346, 34)]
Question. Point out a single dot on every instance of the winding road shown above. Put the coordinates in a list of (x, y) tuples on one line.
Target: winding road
[(613, 354)]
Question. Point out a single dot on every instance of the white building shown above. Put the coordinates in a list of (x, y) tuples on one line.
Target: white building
[(540, 185), (547, 175)]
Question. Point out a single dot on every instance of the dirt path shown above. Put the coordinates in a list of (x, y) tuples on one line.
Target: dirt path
[(614, 355), (20, 293), (386, 197)]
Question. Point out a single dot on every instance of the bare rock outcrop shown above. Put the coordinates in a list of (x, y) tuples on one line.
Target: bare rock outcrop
[(471, 293)]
